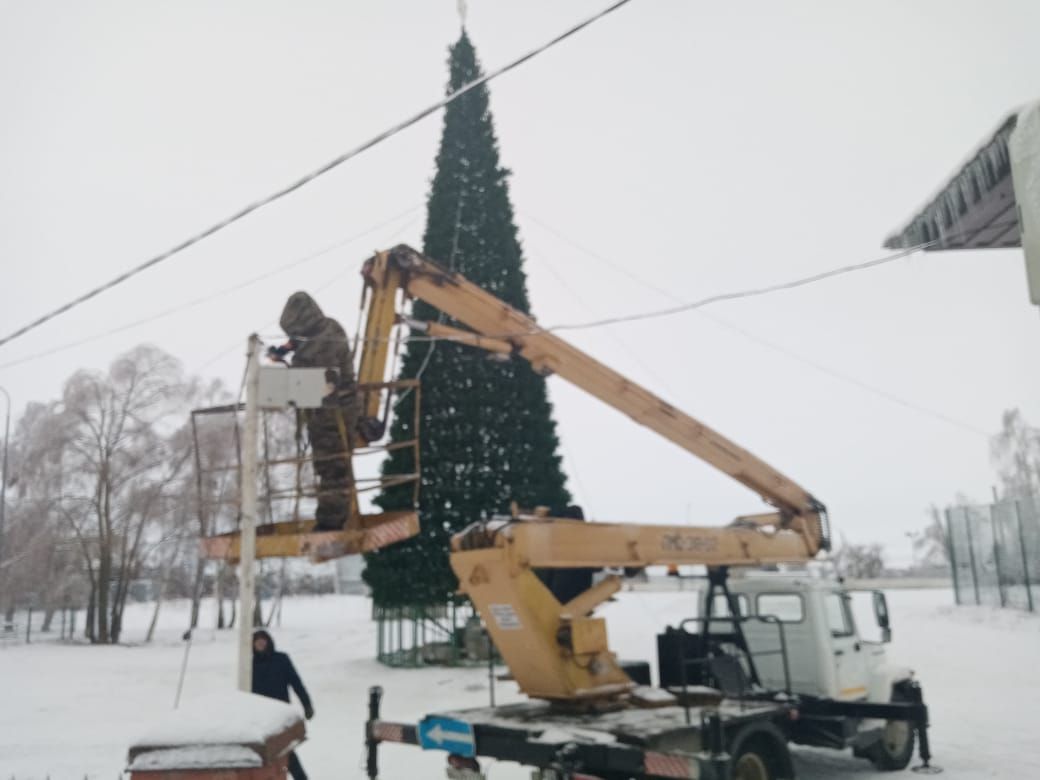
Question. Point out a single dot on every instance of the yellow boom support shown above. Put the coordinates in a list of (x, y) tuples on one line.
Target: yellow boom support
[(557, 651)]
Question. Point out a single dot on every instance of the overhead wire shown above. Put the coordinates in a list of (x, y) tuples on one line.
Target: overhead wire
[(325, 285), (574, 294), (353, 267), (688, 306), (753, 292), (451, 267), (568, 456), (306, 179), (881, 392), (683, 306), (215, 295)]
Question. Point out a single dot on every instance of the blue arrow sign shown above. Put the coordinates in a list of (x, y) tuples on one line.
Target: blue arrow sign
[(455, 736)]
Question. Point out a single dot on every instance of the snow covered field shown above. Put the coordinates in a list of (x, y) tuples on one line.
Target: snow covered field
[(70, 712)]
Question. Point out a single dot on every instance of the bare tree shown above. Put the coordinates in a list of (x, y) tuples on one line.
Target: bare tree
[(118, 464), (37, 566), (1015, 453), (859, 561), (931, 546), (110, 486), (216, 488)]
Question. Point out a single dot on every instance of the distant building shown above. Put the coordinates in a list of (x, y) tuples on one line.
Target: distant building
[(991, 202)]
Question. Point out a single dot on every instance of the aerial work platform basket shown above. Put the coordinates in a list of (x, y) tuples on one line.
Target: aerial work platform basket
[(288, 487)]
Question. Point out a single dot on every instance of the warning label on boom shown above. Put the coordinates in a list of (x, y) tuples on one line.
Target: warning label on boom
[(505, 616)]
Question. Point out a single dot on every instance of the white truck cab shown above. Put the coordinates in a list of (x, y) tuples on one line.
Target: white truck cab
[(803, 638), (825, 653)]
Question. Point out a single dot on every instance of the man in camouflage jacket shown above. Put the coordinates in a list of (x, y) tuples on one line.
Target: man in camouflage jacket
[(319, 341)]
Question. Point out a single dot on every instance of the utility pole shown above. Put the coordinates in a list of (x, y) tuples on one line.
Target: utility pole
[(247, 549), (913, 536), (3, 473)]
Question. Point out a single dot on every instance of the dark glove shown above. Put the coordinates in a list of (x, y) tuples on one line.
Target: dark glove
[(308, 712), (278, 353)]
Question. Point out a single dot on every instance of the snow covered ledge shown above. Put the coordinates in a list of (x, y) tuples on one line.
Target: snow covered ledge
[(228, 736), (992, 201)]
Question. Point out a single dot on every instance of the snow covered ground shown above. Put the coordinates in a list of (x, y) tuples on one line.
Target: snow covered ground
[(69, 712)]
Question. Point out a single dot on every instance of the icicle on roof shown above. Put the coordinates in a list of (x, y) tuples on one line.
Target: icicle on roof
[(975, 209)]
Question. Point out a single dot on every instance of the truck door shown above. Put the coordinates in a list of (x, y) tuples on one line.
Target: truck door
[(803, 648), (850, 660)]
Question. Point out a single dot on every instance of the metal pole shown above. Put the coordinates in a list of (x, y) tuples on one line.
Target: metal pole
[(952, 549), (994, 527), (184, 668), (1025, 557), (375, 695), (247, 530), (491, 666), (971, 556), (3, 472)]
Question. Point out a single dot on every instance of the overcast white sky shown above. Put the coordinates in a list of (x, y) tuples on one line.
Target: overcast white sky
[(704, 147)]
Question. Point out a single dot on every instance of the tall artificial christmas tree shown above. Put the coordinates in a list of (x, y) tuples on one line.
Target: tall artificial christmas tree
[(487, 433)]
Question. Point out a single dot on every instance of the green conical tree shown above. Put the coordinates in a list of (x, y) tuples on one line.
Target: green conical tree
[(488, 437)]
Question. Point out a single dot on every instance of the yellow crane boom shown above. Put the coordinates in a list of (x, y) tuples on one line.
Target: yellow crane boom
[(499, 327), (555, 650)]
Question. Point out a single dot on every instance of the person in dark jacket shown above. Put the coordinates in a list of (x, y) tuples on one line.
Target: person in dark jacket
[(319, 341), (273, 675)]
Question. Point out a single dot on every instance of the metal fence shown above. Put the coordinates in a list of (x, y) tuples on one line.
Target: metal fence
[(29, 626), (444, 635), (995, 553)]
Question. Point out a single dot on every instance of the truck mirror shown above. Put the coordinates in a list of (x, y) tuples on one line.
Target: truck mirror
[(881, 615)]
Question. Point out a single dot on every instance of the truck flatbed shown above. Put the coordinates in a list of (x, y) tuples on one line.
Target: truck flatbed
[(653, 728), (660, 740)]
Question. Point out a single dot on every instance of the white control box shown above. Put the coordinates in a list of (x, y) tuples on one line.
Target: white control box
[(281, 386)]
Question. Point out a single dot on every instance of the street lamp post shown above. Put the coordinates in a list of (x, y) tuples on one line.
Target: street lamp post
[(913, 536), (3, 472)]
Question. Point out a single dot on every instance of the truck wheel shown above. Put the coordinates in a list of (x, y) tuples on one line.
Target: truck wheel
[(757, 759), (751, 766), (896, 747)]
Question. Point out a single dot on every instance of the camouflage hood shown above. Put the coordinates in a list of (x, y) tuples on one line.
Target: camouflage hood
[(301, 316)]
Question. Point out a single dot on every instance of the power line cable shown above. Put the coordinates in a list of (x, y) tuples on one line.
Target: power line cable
[(457, 229), (576, 296), (215, 295), (619, 267), (684, 306), (772, 345), (694, 305), (271, 323), (741, 294), (846, 377), (334, 163), (353, 267)]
